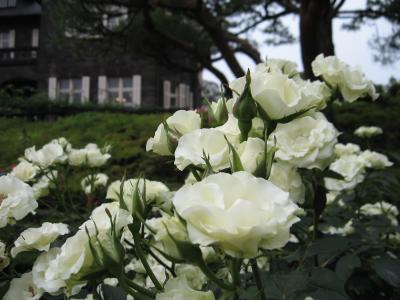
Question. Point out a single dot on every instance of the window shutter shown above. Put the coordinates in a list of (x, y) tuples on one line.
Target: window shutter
[(182, 96), (12, 42), (52, 88), (102, 89), (167, 94), (137, 90), (12, 38), (85, 89), (35, 37)]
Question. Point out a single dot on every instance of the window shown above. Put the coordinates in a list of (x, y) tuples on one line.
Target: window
[(70, 89), (177, 95), (115, 16), (7, 39), (120, 90), (35, 41), (8, 3)]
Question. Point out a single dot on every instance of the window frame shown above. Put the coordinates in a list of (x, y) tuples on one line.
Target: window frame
[(69, 92), (120, 90), (8, 4)]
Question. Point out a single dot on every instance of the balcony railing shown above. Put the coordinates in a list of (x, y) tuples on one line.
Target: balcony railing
[(18, 56)]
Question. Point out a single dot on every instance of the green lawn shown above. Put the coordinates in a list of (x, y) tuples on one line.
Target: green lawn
[(127, 133)]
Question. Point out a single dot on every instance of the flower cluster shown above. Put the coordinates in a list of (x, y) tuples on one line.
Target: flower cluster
[(261, 165)]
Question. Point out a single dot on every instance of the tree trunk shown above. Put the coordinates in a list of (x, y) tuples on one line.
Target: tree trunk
[(315, 32), (219, 37)]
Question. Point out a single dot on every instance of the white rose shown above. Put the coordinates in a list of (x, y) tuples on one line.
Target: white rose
[(4, 260), (273, 65), (346, 149), (91, 155), (48, 155), (381, 208), (38, 238), (305, 142), (23, 288), (178, 288), (375, 160), (17, 200), (286, 177), (25, 171), (41, 187), (351, 167), (43, 277), (73, 258), (175, 228), (368, 131), (230, 211), (231, 129), (155, 191), (181, 122), (351, 82), (77, 157), (100, 217), (64, 143), (195, 277), (280, 96), (96, 157), (94, 181), (251, 153), (191, 146), (347, 229)]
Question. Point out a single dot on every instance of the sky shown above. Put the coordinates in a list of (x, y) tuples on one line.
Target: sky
[(350, 46)]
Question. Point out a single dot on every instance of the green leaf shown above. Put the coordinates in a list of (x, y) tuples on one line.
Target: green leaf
[(112, 292), (388, 269), (331, 174), (325, 279), (190, 252), (285, 286), (296, 115), (346, 265), (236, 163)]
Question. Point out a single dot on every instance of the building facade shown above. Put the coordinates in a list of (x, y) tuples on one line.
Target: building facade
[(29, 59)]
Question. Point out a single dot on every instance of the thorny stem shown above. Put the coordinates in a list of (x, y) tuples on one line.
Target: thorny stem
[(257, 278)]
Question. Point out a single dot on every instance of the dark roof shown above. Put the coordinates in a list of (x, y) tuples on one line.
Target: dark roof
[(23, 8)]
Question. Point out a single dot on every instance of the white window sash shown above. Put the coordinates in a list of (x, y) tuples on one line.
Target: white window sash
[(137, 90), (85, 89), (102, 89), (167, 94), (52, 92)]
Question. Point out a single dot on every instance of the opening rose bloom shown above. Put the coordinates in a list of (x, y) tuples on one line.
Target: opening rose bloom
[(182, 122), (280, 95), (352, 82), (17, 200), (191, 146), (368, 131), (238, 212), (25, 171), (306, 142), (48, 155), (38, 238)]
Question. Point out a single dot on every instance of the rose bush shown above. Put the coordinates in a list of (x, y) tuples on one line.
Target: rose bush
[(273, 206)]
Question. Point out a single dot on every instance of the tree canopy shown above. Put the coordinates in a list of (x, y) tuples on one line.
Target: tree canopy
[(207, 31)]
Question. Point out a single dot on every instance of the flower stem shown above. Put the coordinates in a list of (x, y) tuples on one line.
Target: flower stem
[(140, 254), (257, 278), (136, 294), (206, 270), (126, 281)]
